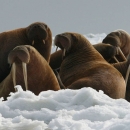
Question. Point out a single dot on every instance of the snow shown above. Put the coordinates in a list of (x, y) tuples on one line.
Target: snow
[(83, 109)]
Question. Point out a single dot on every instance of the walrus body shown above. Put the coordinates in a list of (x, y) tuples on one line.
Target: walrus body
[(83, 66), (106, 50), (56, 59), (123, 67), (40, 76), (37, 34), (120, 39)]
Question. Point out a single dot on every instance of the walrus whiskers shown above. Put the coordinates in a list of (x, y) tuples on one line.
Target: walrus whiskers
[(25, 74), (121, 53), (127, 74), (14, 74)]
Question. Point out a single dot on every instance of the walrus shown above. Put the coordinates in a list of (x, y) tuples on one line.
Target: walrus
[(56, 59), (106, 50), (83, 66), (30, 70), (119, 38), (124, 69), (37, 34)]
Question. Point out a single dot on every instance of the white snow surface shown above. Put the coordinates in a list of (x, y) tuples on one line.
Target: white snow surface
[(83, 109)]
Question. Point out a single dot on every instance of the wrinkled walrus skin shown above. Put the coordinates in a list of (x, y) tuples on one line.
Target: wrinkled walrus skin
[(40, 76), (37, 34), (83, 66), (119, 38)]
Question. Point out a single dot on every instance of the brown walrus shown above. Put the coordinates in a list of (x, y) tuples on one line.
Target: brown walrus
[(37, 34), (83, 66), (119, 38), (56, 59), (38, 76), (106, 50), (123, 68)]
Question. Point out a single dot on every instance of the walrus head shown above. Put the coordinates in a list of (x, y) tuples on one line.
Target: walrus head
[(63, 41), (108, 51), (20, 56), (113, 40), (118, 39), (40, 37), (37, 32), (68, 42)]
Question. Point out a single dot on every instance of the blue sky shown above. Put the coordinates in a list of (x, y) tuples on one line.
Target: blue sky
[(82, 16)]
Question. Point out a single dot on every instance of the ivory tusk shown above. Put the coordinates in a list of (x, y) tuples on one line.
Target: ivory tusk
[(33, 42), (14, 75), (116, 59), (63, 53), (43, 41), (117, 51), (127, 74), (25, 74), (121, 53)]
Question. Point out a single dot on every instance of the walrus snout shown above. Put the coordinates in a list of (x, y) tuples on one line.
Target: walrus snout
[(37, 32), (62, 41), (19, 54), (112, 50)]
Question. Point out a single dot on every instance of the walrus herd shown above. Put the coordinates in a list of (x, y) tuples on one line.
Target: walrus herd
[(26, 60), (37, 34), (84, 66)]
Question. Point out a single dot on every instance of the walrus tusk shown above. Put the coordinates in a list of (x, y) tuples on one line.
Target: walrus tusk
[(14, 74), (117, 51), (121, 53), (64, 50), (33, 42), (116, 59), (43, 41), (127, 74), (25, 74)]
